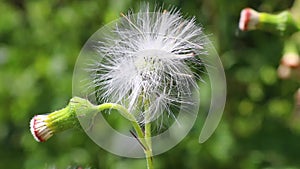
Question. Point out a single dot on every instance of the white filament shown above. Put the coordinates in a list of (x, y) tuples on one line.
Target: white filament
[(143, 63)]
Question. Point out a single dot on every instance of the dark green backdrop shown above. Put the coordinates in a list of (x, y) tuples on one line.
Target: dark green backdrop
[(39, 44)]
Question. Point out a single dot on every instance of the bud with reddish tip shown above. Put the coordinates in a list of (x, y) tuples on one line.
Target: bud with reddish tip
[(39, 128), (249, 19), (282, 23), (44, 126), (291, 60)]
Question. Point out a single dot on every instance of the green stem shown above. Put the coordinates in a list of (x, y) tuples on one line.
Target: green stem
[(148, 151), (126, 114), (290, 46), (149, 159), (144, 139), (295, 10)]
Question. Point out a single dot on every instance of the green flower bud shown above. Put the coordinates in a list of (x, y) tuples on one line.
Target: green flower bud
[(44, 126)]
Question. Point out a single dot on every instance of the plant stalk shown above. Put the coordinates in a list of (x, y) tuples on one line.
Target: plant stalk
[(148, 151)]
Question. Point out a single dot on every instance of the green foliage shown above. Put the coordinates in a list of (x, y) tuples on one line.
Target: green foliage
[(39, 44)]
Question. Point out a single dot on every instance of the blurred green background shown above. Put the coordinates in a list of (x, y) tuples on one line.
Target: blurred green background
[(39, 44)]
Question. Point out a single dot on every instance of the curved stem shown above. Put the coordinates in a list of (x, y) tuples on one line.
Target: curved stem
[(145, 138), (126, 114)]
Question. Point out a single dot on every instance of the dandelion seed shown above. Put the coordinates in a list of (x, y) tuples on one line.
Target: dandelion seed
[(144, 62)]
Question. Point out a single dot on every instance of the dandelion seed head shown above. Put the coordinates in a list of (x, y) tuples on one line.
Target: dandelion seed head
[(143, 62)]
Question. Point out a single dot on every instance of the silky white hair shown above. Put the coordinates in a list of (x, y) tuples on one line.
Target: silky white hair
[(144, 62)]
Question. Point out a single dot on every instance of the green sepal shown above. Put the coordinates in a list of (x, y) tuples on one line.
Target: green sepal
[(282, 23), (66, 118)]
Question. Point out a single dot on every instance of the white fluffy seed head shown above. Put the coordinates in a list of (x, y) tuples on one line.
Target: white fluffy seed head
[(144, 62)]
